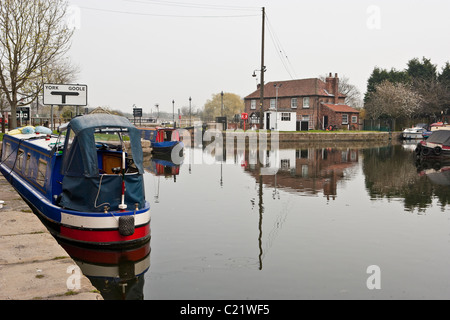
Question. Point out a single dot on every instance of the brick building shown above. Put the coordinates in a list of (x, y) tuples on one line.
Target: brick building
[(318, 104)]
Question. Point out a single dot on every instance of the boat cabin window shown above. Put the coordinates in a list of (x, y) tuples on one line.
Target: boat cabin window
[(110, 146), (112, 140), (105, 147), (8, 157), (19, 160), (27, 164), (42, 172)]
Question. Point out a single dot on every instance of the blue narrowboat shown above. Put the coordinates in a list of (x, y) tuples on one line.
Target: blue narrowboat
[(86, 183), (163, 140)]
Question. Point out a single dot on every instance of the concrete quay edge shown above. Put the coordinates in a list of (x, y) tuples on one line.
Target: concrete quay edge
[(33, 266)]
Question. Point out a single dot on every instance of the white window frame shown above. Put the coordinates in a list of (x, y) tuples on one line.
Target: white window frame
[(285, 116), (253, 104), (42, 172), (305, 102), (294, 103), (273, 103), (345, 116), (354, 119)]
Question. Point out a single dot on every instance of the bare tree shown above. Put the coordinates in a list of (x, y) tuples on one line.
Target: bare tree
[(436, 97), (34, 35), (393, 100)]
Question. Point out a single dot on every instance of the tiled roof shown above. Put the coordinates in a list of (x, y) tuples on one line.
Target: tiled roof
[(293, 88), (341, 108)]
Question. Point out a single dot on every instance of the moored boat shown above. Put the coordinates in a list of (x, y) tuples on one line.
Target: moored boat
[(163, 140), (437, 144), (86, 182), (413, 133)]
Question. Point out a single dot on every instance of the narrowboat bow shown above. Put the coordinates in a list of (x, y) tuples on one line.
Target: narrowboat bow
[(87, 183)]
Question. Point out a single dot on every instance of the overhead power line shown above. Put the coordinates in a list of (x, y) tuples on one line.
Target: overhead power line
[(168, 15), (280, 51), (193, 5)]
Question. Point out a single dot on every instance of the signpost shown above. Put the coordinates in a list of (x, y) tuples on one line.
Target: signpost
[(244, 116), (64, 95), (137, 113)]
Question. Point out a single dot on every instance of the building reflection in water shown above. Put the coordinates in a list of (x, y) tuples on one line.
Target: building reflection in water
[(308, 170), (305, 169)]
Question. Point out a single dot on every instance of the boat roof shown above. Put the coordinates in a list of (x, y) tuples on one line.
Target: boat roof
[(81, 123), (158, 128), (440, 136), (38, 140)]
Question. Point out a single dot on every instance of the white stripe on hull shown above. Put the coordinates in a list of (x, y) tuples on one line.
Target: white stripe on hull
[(108, 221)]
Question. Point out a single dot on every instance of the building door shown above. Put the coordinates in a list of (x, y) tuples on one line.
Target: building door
[(297, 128), (304, 125), (268, 120), (325, 121)]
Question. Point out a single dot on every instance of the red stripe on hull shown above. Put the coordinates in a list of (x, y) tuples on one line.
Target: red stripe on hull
[(105, 256), (104, 236)]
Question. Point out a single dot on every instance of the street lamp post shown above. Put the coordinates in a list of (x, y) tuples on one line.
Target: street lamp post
[(157, 115), (173, 113), (221, 104), (276, 105), (190, 112), (261, 98)]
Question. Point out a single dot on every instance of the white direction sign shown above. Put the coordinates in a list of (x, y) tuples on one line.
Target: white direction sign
[(65, 94)]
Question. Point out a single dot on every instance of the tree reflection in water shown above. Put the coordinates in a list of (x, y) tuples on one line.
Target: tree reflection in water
[(394, 172)]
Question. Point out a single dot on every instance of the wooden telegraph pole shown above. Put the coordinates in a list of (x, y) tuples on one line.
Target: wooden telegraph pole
[(261, 86)]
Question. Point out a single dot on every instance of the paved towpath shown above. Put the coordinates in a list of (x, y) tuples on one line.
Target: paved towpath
[(32, 263)]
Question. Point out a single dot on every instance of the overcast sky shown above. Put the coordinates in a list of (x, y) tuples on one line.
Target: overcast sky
[(147, 52)]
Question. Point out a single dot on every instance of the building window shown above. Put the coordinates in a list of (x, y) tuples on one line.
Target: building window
[(306, 102), (272, 103), (294, 103), (345, 119), (285, 116), (253, 104), (354, 119), (285, 164), (304, 170)]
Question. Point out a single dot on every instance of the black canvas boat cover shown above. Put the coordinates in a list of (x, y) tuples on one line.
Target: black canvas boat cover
[(440, 136), (82, 179)]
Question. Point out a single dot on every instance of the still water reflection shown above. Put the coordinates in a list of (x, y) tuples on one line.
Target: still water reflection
[(223, 231)]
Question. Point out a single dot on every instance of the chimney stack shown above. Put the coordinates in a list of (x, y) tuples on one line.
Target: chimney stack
[(332, 86), (336, 88)]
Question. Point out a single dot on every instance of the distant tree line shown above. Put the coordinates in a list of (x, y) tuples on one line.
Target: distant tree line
[(419, 91)]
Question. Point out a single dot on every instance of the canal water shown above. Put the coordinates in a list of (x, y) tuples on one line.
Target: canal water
[(335, 221)]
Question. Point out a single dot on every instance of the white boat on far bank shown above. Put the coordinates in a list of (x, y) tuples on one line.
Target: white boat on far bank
[(413, 133)]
